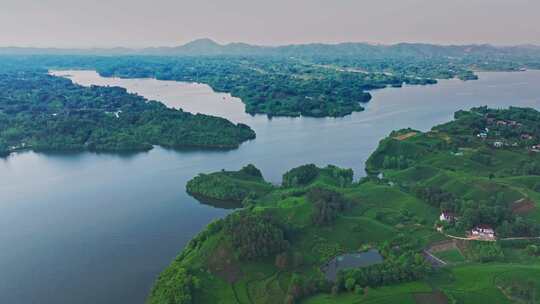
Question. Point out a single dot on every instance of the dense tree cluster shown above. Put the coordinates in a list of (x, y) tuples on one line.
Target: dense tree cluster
[(533, 250), (342, 177), (252, 171), (301, 286), (234, 186), (44, 112), (518, 226), (175, 285), (300, 176), (327, 205), (437, 197), (254, 235), (407, 266), (396, 162)]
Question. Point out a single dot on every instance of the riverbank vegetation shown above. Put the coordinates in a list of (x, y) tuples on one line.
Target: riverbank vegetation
[(43, 112), (275, 249), (311, 80)]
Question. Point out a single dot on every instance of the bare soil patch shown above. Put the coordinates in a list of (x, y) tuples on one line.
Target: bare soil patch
[(523, 206), (442, 246), (435, 297), (405, 136)]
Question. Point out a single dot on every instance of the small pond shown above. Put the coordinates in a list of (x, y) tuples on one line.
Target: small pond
[(351, 260)]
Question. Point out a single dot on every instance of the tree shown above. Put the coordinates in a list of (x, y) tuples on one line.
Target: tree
[(254, 235), (300, 176), (327, 204), (350, 283), (282, 261)]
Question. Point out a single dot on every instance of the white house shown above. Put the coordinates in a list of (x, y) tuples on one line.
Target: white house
[(498, 144), (483, 232), (447, 216), (482, 135)]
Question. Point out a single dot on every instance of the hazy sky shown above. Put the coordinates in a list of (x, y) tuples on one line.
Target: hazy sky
[(135, 23)]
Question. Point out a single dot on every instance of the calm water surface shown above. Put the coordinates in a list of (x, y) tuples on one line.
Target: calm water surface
[(351, 260), (98, 228)]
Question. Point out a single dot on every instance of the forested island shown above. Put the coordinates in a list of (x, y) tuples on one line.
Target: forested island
[(425, 196), (317, 80), (43, 112), (230, 186)]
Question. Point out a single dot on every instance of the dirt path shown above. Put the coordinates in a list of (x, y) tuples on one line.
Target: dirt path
[(405, 136), (502, 239), (435, 261)]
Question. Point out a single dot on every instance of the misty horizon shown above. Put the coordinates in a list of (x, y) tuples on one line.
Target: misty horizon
[(168, 23), (267, 45)]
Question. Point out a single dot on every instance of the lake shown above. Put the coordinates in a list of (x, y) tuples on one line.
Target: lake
[(351, 260), (98, 228)]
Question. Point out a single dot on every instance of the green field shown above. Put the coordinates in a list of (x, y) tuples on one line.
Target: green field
[(450, 256)]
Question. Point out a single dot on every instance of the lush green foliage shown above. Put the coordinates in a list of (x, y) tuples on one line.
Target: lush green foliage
[(273, 250), (233, 186), (327, 205), (470, 167), (395, 269), (254, 235), (44, 112), (175, 286), (321, 213), (300, 176), (484, 252), (311, 80)]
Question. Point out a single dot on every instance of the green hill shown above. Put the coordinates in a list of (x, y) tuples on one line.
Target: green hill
[(279, 248)]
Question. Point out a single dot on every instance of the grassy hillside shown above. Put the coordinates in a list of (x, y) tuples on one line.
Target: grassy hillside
[(277, 248), (481, 166)]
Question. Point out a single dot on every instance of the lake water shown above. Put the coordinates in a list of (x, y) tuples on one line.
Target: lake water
[(351, 260), (98, 228)]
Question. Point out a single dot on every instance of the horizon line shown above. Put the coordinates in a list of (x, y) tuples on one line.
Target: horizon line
[(266, 45)]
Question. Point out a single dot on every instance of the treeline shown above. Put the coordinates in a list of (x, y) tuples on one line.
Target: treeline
[(233, 186), (175, 285), (327, 205), (495, 211), (44, 112), (272, 86), (400, 265), (307, 80), (254, 235), (300, 176)]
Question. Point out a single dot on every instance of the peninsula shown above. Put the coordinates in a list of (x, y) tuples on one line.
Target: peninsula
[(285, 246)]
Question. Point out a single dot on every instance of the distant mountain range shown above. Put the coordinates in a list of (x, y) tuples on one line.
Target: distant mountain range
[(208, 47)]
